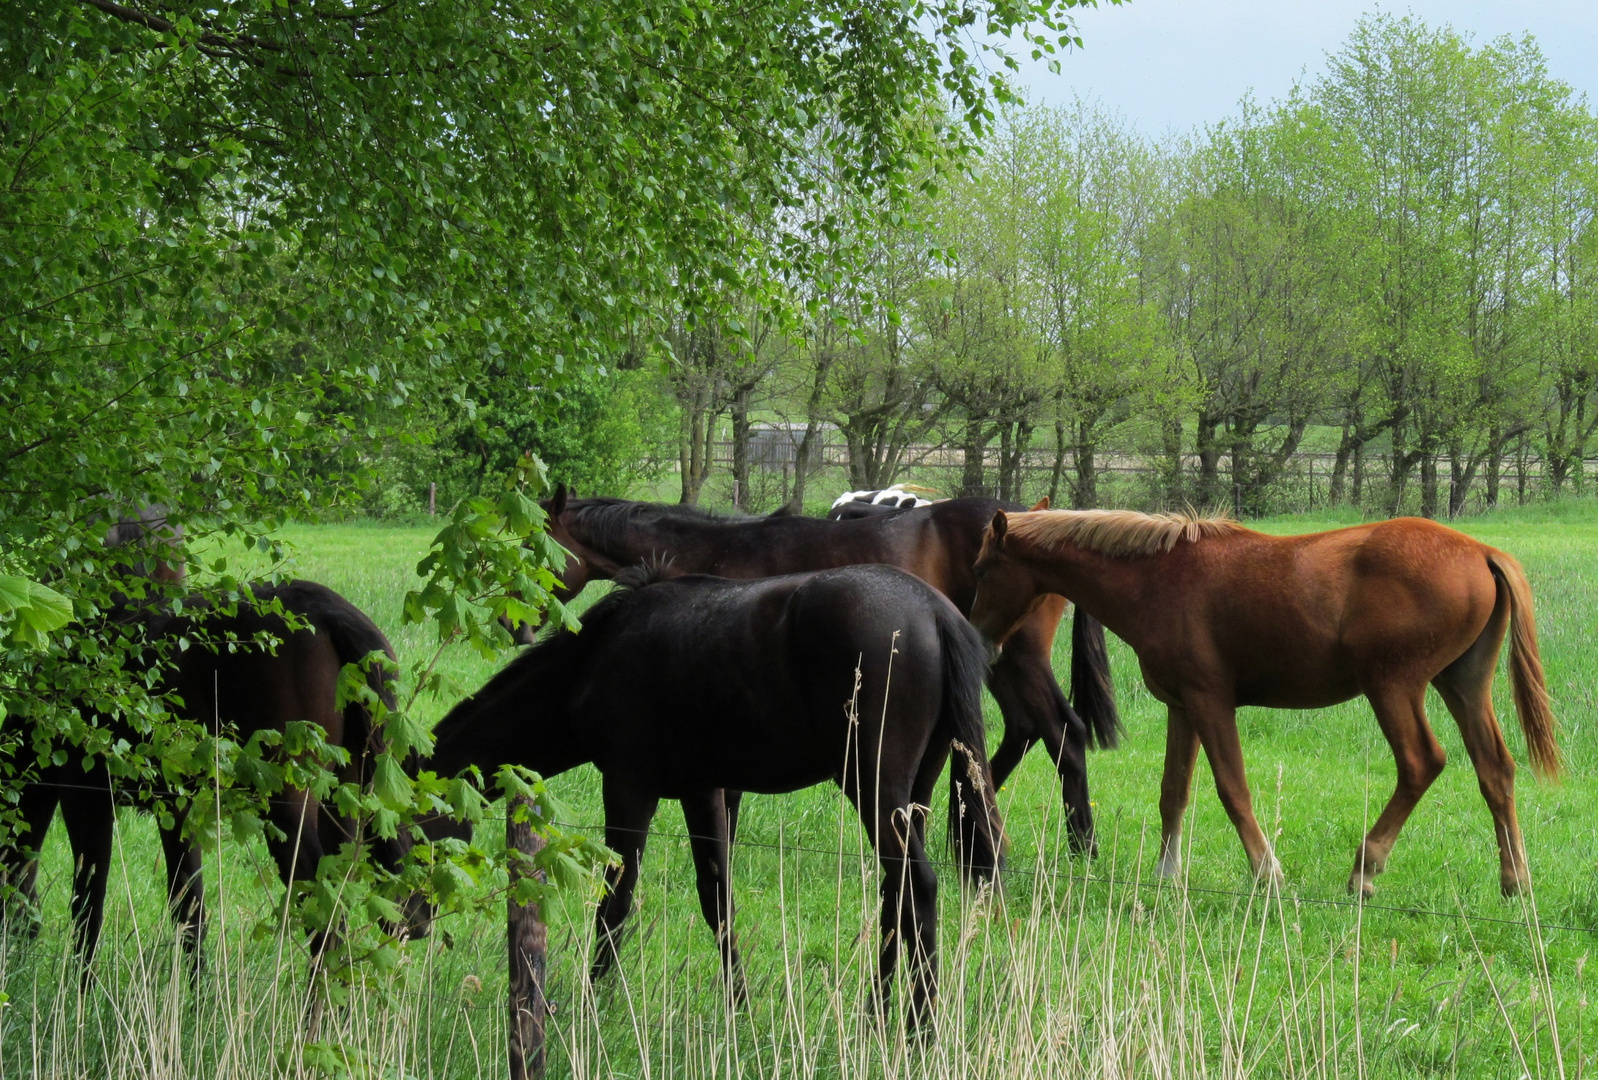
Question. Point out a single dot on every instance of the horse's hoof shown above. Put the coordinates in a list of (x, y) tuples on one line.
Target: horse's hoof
[(1361, 886), (1513, 886), (1169, 868)]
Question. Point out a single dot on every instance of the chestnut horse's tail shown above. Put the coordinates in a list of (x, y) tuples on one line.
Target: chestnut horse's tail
[(975, 829), (1526, 668), (1092, 692)]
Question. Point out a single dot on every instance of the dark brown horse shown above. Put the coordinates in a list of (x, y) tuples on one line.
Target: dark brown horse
[(685, 688), (937, 543), (1222, 616), (227, 676)]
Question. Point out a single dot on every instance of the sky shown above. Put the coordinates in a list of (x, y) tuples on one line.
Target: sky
[(1172, 65)]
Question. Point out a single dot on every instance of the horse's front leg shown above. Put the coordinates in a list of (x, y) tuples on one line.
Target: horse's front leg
[(1035, 708), (90, 817), (708, 820), (628, 812), (185, 888), (1215, 723)]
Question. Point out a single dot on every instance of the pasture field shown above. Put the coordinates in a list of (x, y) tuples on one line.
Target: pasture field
[(1072, 968)]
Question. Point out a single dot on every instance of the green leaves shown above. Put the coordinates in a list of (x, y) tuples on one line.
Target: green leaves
[(30, 612)]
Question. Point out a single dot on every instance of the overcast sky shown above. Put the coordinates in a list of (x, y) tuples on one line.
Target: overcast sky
[(1169, 65)]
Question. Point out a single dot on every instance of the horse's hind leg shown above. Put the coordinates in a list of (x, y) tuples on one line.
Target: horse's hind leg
[(1466, 688), (909, 897), (90, 817), (19, 858), (1034, 707), (628, 812), (1401, 711), (1176, 786), (708, 824), (298, 815)]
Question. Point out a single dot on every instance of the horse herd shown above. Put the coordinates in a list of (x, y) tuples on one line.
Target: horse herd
[(771, 654)]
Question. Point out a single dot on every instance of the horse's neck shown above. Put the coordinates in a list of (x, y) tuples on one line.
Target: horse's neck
[(527, 723), (1112, 590)]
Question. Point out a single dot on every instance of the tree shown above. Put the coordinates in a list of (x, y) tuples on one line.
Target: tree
[(237, 239)]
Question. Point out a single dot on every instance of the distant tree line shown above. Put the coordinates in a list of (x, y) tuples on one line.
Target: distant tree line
[(1396, 265)]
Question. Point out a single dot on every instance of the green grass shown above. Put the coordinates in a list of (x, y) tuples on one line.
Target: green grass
[(1079, 969)]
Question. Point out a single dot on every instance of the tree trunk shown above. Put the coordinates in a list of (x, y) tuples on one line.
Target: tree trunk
[(1345, 449), (1209, 455), (1007, 462), (805, 456), (1171, 444), (1059, 462), (740, 448), (1495, 463), (1085, 492), (973, 474), (1428, 484)]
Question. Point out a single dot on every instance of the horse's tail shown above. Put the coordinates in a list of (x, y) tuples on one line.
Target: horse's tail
[(975, 828), (354, 638), (1092, 692), (1526, 669)]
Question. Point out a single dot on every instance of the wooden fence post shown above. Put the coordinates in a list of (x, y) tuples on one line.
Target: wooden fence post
[(432, 500), (528, 941)]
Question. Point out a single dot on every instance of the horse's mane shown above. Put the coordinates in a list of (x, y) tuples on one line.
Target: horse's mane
[(607, 519), (1120, 534)]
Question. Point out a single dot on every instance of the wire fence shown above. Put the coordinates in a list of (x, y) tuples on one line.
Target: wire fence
[(1532, 922)]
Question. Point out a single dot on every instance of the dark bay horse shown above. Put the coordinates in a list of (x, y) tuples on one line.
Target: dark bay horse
[(226, 676), (683, 688), (1222, 616), (937, 543)]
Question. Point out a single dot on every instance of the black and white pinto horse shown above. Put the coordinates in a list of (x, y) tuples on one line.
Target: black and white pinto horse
[(858, 504)]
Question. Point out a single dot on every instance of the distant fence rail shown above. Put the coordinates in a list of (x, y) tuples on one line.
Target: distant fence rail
[(1128, 478)]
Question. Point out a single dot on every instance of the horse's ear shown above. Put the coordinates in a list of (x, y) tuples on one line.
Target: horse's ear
[(557, 505), (1043, 504), (1000, 526)]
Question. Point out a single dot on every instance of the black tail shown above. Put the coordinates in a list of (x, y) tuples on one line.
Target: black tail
[(354, 637), (975, 828), (1092, 692)]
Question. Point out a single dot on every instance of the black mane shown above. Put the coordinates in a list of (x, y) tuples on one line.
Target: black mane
[(608, 520)]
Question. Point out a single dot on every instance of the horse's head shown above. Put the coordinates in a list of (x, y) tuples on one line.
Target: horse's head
[(1007, 591), (157, 540), (583, 563)]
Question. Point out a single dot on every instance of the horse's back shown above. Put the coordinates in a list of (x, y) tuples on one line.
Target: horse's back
[(749, 683)]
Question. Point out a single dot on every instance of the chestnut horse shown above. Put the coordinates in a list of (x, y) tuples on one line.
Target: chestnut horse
[(1222, 616), (686, 688), (937, 543)]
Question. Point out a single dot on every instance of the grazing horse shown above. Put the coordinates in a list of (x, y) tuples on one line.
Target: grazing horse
[(854, 504), (681, 689), (937, 543), (1222, 616), (226, 675)]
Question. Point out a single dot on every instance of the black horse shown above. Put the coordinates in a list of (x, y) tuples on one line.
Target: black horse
[(937, 543), (228, 676), (683, 688)]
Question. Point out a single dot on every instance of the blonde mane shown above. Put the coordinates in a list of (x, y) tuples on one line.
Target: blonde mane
[(1120, 534)]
